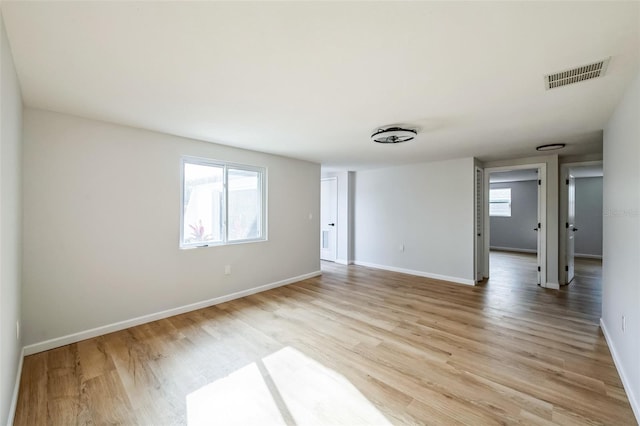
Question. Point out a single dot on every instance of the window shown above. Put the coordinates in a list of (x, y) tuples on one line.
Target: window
[(500, 202), (221, 203)]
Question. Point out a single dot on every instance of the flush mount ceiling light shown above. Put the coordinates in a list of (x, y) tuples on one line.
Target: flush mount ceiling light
[(550, 147), (393, 135)]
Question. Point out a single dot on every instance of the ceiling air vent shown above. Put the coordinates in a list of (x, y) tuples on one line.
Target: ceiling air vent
[(576, 75)]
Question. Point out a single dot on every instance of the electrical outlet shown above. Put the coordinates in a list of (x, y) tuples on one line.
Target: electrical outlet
[(624, 323), (18, 330), (227, 270)]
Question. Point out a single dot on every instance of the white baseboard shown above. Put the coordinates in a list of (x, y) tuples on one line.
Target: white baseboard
[(517, 250), (588, 256), (16, 389), (121, 325), (633, 400), (344, 262), (456, 280)]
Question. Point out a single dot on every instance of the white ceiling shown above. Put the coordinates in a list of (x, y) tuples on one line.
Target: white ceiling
[(518, 175), (513, 175), (312, 80), (587, 171)]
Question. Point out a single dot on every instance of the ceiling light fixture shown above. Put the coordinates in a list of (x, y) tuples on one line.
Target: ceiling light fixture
[(550, 147), (393, 135)]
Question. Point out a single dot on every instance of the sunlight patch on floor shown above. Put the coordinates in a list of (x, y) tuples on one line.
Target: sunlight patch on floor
[(286, 387)]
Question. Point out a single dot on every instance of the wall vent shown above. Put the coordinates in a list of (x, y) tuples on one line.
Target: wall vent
[(576, 75)]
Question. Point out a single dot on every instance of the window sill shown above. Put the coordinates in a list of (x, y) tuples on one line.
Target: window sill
[(230, 243)]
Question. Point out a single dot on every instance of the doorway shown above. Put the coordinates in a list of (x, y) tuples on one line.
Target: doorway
[(515, 223), (580, 216), (328, 218)]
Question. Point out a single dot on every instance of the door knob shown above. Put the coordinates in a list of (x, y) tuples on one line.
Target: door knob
[(332, 224), (574, 229)]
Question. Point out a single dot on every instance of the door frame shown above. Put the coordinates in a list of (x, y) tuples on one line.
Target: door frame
[(335, 228), (478, 238), (565, 169), (542, 214)]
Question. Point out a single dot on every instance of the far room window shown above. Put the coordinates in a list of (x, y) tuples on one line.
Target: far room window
[(500, 202), (222, 203)]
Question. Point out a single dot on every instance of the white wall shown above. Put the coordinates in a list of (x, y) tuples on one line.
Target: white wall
[(516, 232), (10, 218), (621, 240), (344, 222), (428, 208), (588, 238), (101, 226)]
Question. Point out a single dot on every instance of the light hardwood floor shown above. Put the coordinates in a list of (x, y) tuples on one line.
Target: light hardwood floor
[(354, 346)]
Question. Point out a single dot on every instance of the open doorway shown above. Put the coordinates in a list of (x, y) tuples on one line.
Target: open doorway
[(581, 219), (515, 225)]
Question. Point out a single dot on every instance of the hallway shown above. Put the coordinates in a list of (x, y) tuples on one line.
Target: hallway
[(516, 273)]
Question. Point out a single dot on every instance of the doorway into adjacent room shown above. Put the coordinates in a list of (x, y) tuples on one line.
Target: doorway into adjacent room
[(515, 243), (580, 219)]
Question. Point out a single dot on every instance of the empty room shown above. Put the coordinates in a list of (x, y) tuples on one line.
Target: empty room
[(323, 212)]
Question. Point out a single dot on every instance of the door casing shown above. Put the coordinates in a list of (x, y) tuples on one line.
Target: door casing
[(542, 217), (329, 207), (478, 228), (565, 170)]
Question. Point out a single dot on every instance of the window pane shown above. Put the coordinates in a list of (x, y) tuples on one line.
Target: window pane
[(203, 204), (500, 202), (245, 204)]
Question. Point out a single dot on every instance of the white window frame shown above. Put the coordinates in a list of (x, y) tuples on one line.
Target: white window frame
[(262, 173), (499, 202)]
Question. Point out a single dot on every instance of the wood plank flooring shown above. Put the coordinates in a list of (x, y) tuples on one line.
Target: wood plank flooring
[(354, 346)]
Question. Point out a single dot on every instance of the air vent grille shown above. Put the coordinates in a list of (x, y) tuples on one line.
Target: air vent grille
[(576, 75)]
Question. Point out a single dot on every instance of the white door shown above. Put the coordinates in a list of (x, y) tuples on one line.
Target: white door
[(328, 216), (539, 230), (570, 228), (479, 228)]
